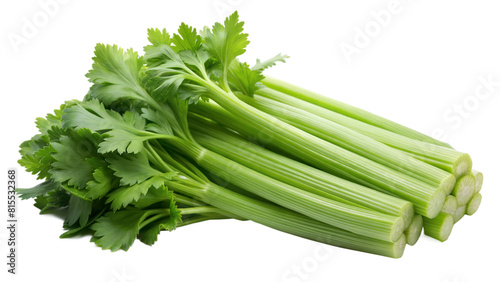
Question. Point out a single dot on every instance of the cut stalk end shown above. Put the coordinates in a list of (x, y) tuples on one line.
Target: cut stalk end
[(462, 166), (436, 203), (413, 232), (407, 213), (473, 204), (459, 213), (439, 227), (397, 229), (479, 181), (449, 183), (399, 247), (464, 189), (450, 205)]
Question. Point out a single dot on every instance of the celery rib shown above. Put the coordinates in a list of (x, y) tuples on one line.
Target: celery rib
[(427, 199), (286, 220), (445, 158), (295, 173), (439, 227), (353, 141), (459, 165), (348, 110), (357, 220)]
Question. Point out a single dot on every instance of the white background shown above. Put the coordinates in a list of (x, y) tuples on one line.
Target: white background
[(417, 67)]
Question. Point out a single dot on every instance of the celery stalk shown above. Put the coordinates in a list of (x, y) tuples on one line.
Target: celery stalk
[(357, 220), (285, 220), (439, 227), (295, 173), (428, 200), (354, 141), (348, 110), (445, 158), (351, 218), (459, 164)]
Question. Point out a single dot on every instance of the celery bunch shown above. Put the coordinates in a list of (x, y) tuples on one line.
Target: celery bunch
[(188, 133)]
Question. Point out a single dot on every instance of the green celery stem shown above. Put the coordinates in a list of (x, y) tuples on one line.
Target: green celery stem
[(348, 110), (357, 220), (295, 173), (428, 200), (460, 165), (353, 141), (198, 219), (290, 222), (444, 158), (439, 227)]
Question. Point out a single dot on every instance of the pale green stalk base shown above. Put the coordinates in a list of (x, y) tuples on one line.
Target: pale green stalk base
[(413, 232), (479, 181), (474, 204), (439, 227), (459, 214), (464, 189), (450, 205)]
